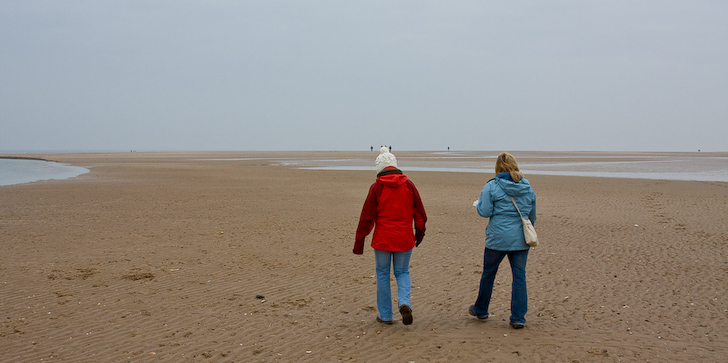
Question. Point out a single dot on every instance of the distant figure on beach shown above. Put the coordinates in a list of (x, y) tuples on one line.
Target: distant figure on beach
[(371, 148), (391, 207), (390, 148), (504, 236)]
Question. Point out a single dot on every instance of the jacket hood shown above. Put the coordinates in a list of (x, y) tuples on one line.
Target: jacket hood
[(512, 188), (392, 180)]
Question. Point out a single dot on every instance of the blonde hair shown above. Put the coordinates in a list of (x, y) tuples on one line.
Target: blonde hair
[(506, 163)]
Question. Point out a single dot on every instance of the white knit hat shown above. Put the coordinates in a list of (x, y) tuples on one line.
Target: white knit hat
[(385, 159)]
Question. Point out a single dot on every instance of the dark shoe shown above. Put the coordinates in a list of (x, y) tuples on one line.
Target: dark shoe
[(517, 325), (406, 312), (388, 322), (471, 310)]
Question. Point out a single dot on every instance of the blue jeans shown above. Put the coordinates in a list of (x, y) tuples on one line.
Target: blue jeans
[(383, 261), (519, 295)]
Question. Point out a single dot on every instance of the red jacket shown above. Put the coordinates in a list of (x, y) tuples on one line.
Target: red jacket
[(393, 203)]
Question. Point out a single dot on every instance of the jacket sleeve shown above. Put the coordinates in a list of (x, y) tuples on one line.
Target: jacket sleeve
[(366, 219), (485, 204), (419, 209), (532, 213)]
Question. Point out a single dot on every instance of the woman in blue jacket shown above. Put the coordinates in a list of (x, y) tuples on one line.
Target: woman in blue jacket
[(504, 236)]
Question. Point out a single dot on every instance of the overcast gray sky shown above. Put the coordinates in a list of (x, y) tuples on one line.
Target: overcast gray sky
[(169, 75)]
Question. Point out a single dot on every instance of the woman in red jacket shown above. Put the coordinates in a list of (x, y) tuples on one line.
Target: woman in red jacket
[(391, 207)]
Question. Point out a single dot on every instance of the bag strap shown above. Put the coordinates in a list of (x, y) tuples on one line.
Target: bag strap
[(514, 203)]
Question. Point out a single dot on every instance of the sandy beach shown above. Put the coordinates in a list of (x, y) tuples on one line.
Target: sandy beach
[(167, 257)]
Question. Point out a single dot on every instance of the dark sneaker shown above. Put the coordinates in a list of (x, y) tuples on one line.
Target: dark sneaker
[(517, 325), (471, 310), (388, 322), (406, 312)]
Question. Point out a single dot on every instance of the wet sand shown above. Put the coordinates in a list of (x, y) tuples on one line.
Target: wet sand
[(165, 257)]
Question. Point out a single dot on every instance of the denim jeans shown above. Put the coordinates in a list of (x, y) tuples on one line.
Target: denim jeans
[(400, 261), (519, 295)]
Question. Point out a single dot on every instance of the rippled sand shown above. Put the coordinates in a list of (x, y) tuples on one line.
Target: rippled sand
[(176, 257)]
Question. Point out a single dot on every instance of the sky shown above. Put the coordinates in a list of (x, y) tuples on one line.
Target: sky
[(219, 75)]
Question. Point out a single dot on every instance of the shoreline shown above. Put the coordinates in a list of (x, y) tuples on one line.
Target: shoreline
[(23, 158), (163, 256), (22, 170), (707, 167)]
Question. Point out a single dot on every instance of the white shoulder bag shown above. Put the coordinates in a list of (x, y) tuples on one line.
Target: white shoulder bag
[(528, 231)]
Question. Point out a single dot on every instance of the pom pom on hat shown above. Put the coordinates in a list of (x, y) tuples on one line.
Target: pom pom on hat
[(385, 159)]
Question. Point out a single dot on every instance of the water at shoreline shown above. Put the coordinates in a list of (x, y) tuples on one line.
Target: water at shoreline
[(19, 171), (630, 165), (665, 166)]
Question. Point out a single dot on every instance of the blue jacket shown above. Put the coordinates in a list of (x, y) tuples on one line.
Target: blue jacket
[(505, 230)]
